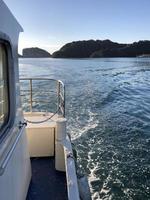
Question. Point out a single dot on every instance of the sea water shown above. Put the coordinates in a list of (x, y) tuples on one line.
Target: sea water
[(108, 112)]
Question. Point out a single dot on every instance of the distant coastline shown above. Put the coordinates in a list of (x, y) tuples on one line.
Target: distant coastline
[(92, 49)]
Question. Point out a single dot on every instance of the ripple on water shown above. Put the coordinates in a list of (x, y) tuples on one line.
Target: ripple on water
[(108, 116)]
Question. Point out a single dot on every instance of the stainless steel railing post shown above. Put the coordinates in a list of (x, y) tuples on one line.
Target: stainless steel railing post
[(31, 95), (64, 102), (58, 96)]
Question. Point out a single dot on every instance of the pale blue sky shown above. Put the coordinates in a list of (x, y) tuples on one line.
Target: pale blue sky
[(49, 24)]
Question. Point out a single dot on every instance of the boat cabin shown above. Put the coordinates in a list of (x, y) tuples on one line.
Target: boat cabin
[(36, 159)]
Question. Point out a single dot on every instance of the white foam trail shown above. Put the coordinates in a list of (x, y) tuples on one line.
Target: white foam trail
[(76, 133), (92, 177), (91, 124)]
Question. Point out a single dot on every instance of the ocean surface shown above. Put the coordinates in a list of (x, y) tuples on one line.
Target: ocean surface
[(108, 112)]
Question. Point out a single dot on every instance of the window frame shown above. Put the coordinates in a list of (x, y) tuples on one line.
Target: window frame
[(8, 123)]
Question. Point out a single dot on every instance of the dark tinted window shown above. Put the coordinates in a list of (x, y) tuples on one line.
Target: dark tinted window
[(4, 108)]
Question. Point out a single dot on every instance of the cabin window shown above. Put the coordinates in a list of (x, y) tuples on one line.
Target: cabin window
[(4, 107)]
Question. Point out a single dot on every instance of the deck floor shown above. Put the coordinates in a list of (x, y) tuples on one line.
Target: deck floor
[(46, 183)]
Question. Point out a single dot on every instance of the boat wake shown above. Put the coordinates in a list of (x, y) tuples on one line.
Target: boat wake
[(77, 131)]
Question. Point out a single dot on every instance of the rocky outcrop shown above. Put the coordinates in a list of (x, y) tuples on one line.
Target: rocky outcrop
[(35, 53)]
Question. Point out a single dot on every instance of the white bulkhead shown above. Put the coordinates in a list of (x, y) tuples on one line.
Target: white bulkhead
[(43, 139), (15, 169)]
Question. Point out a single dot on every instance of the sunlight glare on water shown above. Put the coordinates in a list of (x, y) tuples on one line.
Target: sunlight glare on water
[(108, 112)]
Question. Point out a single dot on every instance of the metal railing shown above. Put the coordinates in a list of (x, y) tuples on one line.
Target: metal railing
[(31, 87)]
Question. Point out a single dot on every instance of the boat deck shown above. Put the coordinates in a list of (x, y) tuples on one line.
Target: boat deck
[(46, 183)]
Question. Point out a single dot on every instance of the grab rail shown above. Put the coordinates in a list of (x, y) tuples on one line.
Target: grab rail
[(60, 92), (11, 150)]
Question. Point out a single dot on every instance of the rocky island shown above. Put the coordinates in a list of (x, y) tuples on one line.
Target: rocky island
[(35, 53), (102, 48)]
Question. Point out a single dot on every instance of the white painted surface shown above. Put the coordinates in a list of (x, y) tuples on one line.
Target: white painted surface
[(40, 135), (15, 180), (59, 148), (59, 157), (8, 24), (64, 160), (61, 129), (72, 184), (40, 141), (40, 116)]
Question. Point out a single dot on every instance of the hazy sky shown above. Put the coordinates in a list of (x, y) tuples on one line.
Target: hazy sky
[(49, 24)]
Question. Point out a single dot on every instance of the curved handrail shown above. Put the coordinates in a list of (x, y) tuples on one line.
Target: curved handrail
[(60, 93)]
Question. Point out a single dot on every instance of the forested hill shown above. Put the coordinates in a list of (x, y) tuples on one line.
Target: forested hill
[(102, 48)]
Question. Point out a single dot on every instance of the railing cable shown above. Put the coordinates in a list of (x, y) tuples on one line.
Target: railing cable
[(42, 121)]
